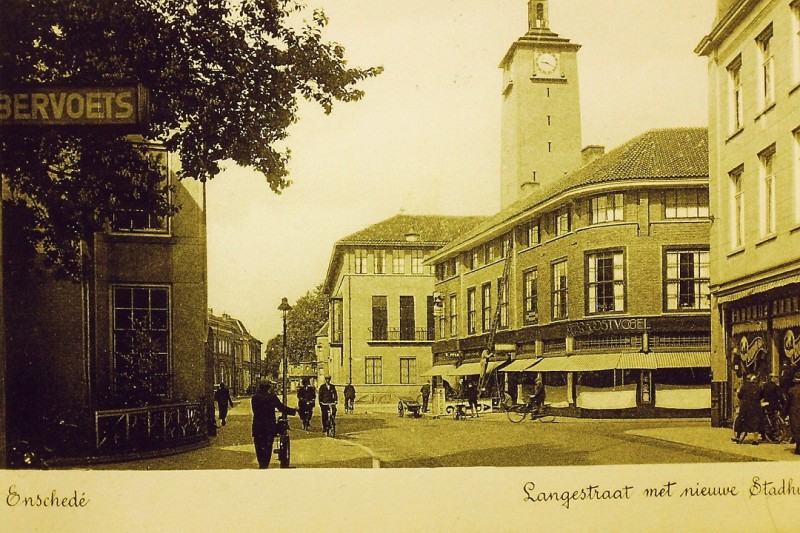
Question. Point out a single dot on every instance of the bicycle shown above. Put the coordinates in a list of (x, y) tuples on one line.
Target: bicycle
[(348, 405), (517, 413), (776, 430), (283, 450), (330, 423)]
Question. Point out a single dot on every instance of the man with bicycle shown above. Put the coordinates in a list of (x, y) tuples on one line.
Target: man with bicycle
[(328, 398), (265, 425)]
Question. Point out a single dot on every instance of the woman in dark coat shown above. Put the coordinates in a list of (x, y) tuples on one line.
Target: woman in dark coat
[(792, 409), (750, 411)]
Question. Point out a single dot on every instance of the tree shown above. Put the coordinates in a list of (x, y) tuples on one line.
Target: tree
[(224, 79)]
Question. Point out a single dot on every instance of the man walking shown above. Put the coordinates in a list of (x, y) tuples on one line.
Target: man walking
[(265, 425), (426, 394), (223, 397), (328, 398)]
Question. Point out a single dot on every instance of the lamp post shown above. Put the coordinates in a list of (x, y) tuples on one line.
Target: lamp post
[(284, 308), (283, 422)]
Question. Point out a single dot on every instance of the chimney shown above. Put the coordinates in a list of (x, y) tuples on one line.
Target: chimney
[(592, 152)]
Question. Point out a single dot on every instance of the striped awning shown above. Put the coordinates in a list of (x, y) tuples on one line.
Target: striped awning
[(576, 363), (764, 287), (520, 365), (440, 370), (637, 360), (683, 359), (474, 369)]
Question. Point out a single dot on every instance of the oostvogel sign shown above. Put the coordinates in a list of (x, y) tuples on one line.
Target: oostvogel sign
[(74, 106)]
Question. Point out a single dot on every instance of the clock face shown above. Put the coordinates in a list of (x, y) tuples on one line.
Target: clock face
[(547, 63)]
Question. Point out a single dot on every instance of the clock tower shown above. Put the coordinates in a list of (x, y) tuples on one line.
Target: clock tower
[(540, 118)]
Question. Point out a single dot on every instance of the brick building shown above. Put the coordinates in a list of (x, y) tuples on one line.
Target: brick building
[(381, 295), (237, 354), (601, 281), (753, 54)]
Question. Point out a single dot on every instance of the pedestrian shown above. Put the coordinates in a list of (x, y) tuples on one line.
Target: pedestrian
[(539, 394), (306, 398), (223, 397), (349, 397), (426, 394), (471, 395), (750, 410), (265, 425), (772, 395), (328, 398), (792, 409), (449, 393)]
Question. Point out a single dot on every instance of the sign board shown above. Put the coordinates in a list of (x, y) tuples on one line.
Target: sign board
[(74, 106)]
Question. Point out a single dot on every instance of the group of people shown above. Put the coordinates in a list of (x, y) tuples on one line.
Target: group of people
[(770, 399), (328, 397)]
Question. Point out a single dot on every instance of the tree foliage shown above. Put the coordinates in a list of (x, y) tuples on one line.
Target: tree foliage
[(303, 322), (224, 78)]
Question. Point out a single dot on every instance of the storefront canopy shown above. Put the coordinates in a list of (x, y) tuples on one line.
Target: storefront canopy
[(594, 362), (474, 369), (520, 365), (440, 370)]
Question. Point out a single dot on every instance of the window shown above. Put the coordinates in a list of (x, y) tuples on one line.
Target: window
[(336, 321), (360, 261), (430, 319), (398, 262), (686, 203), (736, 102), (796, 41), (737, 207), (476, 257), (530, 297), (380, 262), (416, 261), (606, 285), (559, 290), (407, 323), (767, 191), (373, 370), (141, 332), (529, 233), (471, 326), (502, 302), (606, 208), (134, 218), (453, 315), (380, 318), (767, 73), (562, 221), (505, 245), (486, 306), (443, 322), (687, 280), (408, 370)]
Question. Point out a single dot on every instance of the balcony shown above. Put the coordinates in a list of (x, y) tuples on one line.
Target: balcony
[(401, 335)]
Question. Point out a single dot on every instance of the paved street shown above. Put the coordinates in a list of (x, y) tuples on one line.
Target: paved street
[(376, 437)]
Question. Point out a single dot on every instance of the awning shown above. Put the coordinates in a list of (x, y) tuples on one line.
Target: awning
[(764, 287), (520, 365), (474, 369), (440, 370), (683, 359), (637, 360), (577, 363)]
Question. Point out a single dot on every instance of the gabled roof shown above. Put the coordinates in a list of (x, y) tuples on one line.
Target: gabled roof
[(659, 154)]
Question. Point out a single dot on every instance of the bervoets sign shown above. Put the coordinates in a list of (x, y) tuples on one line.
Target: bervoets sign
[(74, 106)]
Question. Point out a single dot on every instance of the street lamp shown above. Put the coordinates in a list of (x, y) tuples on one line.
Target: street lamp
[(284, 308)]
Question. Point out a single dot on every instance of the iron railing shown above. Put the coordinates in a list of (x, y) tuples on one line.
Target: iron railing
[(150, 427), (401, 334)]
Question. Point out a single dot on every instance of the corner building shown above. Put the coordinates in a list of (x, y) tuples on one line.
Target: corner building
[(381, 324), (598, 282), (753, 53)]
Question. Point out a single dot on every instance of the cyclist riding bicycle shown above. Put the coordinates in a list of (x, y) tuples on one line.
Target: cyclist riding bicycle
[(349, 397), (538, 396), (328, 398), (306, 398)]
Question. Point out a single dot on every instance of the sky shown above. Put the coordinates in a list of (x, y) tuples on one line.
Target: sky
[(426, 137)]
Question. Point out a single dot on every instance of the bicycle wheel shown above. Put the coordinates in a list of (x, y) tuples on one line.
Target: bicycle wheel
[(332, 427), (772, 429), (284, 450), (517, 413)]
